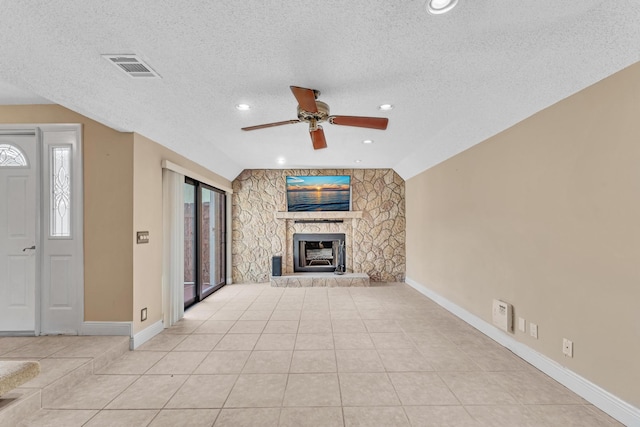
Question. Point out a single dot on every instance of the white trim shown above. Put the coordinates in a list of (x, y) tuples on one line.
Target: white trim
[(146, 334), (18, 333), (607, 402), (106, 328), (228, 237), (17, 131), (167, 164)]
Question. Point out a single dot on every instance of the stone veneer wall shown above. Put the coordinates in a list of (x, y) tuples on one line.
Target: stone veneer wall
[(375, 242)]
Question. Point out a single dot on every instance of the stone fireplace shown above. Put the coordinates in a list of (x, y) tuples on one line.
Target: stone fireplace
[(373, 229), (318, 252)]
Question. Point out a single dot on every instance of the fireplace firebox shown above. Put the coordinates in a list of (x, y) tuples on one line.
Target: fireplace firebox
[(318, 252)]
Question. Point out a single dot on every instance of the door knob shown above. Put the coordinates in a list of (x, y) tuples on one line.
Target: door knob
[(32, 247)]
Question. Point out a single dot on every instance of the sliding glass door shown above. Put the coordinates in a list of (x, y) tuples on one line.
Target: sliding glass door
[(190, 243), (205, 241), (211, 232)]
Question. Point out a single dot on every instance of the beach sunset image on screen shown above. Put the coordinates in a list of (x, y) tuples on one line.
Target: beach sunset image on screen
[(318, 193)]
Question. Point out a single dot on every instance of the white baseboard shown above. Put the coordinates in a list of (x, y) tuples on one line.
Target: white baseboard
[(146, 334), (602, 399), (106, 328), (18, 334)]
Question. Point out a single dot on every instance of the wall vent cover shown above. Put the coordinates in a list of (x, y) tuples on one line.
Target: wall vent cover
[(131, 65)]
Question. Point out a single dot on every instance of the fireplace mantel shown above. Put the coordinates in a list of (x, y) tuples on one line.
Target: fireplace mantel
[(319, 215)]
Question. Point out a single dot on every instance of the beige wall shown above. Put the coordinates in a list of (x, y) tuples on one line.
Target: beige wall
[(122, 195), (546, 216), (147, 216), (108, 209), (378, 246)]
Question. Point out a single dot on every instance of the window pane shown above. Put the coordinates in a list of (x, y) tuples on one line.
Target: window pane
[(60, 201), (220, 231), (207, 237), (189, 243), (11, 156)]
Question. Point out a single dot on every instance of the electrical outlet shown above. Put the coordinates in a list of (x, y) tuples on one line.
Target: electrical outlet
[(533, 330), (143, 314), (522, 324), (567, 347)]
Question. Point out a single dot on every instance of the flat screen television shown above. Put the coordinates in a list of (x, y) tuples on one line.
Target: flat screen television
[(318, 193)]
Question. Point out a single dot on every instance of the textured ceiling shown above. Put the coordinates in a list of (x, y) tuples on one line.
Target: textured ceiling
[(454, 79), (11, 95)]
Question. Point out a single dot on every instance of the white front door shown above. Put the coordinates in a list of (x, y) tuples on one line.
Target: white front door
[(18, 233)]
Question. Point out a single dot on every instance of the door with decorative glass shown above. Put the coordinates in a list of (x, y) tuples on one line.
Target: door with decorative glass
[(41, 246), (18, 233)]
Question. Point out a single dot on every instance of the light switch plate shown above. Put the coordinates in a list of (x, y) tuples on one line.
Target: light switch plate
[(522, 324), (533, 330), (567, 347), (142, 237)]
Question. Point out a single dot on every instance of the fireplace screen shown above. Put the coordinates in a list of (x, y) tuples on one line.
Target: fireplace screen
[(318, 252)]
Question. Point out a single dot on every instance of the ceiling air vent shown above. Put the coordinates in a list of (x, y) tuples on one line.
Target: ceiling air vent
[(132, 65)]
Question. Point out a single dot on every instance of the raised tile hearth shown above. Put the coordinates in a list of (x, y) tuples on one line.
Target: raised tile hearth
[(319, 280)]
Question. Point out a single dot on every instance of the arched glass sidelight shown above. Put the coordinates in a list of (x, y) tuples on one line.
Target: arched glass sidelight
[(11, 156)]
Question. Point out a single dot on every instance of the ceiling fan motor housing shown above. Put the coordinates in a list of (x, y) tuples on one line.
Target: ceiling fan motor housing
[(322, 115)]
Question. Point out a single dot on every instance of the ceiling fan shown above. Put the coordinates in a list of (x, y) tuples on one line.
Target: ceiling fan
[(314, 112)]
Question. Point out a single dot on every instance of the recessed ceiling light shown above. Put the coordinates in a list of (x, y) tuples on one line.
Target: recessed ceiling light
[(368, 141), (243, 107), (385, 107), (438, 7), (281, 160), (358, 161)]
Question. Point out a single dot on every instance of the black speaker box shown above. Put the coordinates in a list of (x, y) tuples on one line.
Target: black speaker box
[(276, 266)]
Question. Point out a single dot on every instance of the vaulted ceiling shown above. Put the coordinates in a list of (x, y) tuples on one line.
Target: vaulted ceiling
[(454, 79)]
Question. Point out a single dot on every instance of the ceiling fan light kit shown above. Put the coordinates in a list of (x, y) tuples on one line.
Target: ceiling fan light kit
[(314, 112)]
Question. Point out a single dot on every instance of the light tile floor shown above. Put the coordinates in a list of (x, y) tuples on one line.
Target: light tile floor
[(64, 362), (253, 355)]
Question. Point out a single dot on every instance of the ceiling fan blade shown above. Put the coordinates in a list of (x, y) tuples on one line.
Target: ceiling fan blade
[(270, 125), (306, 98), (317, 138), (362, 122)]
